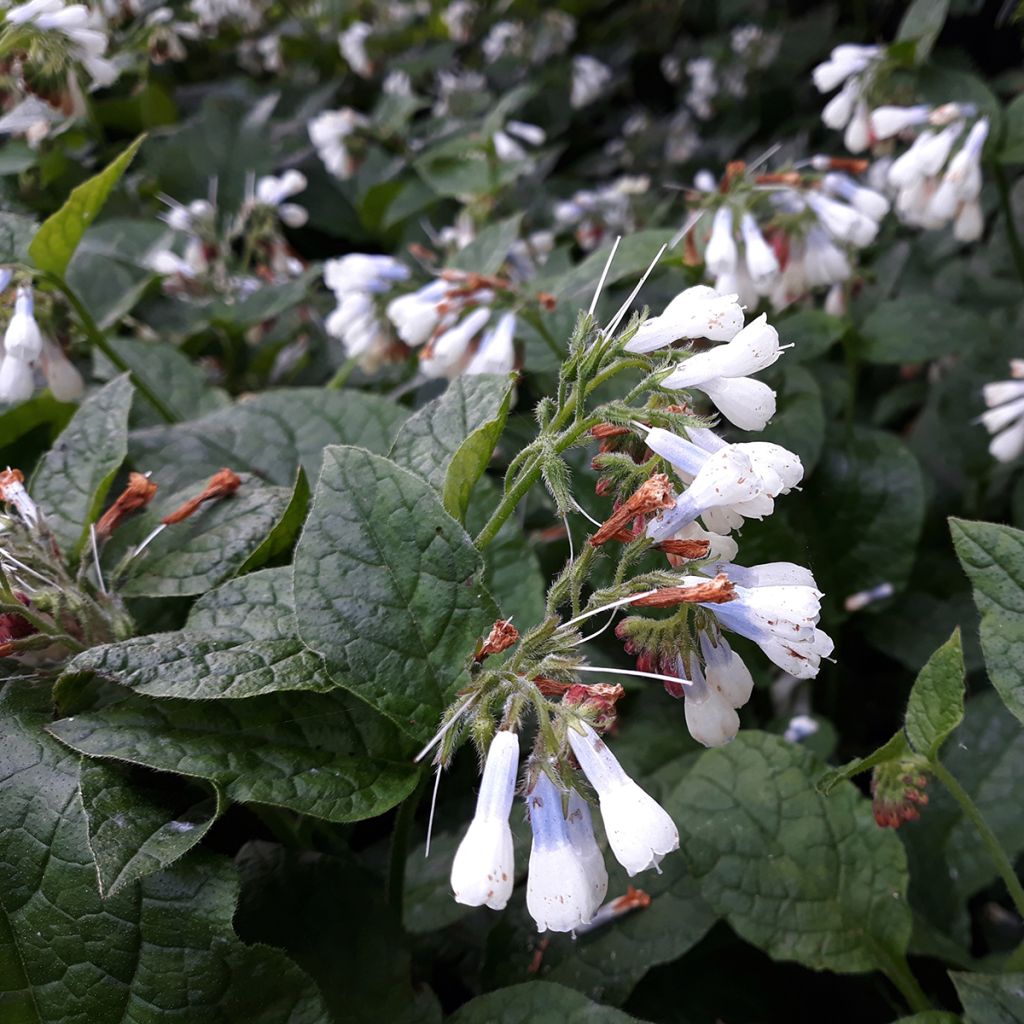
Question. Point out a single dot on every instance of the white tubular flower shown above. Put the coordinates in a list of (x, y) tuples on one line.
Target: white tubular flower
[(483, 872), (328, 132), (835, 301), (698, 312), (581, 835), (447, 351), (352, 44), (726, 671), (63, 380), (889, 121), (844, 61), (746, 403), (359, 272), (506, 146), (964, 171), (589, 77), (559, 894), (639, 830), (720, 256), (17, 381), (857, 136), (710, 718), (1005, 416), (273, 191), (782, 621), (843, 222), (826, 262), (762, 264), (866, 200), (754, 348), (837, 112), (23, 339), (935, 152), (497, 352), (416, 315), (969, 223)]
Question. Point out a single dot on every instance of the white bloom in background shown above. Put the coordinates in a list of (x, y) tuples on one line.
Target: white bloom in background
[(508, 141), (505, 38), (589, 77), (762, 264), (446, 355), (845, 61), (23, 340), (639, 830), (328, 132), (483, 872), (800, 728), (887, 121), (397, 83), (559, 892), (866, 200), (274, 191), (496, 352), (851, 67), (17, 381), (781, 617), (63, 380), (721, 254), (697, 312), (352, 44), (581, 835), (703, 86), (843, 223), (824, 262), (458, 19), (416, 314), (1005, 416)]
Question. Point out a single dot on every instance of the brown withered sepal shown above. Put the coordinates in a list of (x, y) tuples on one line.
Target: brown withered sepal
[(653, 495), (717, 591), (222, 484), (501, 637), (690, 550), (138, 494)]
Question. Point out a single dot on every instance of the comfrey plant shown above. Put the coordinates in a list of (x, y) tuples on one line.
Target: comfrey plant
[(667, 469)]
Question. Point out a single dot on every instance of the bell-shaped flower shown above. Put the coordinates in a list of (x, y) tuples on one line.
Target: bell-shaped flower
[(969, 223), (497, 353), (843, 222), (726, 671), (857, 136), (754, 348), (710, 718), (837, 112), (275, 191), (698, 312), (445, 355), (867, 200), (17, 381), (1004, 418), (964, 171), (363, 273), (762, 264), (416, 314), (559, 892), (581, 835), (23, 339), (935, 152), (845, 60), (889, 121), (63, 380), (826, 263), (720, 255), (483, 870), (639, 830)]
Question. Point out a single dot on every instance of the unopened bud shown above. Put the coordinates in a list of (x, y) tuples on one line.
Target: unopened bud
[(138, 494), (897, 792), (598, 700), (222, 484)]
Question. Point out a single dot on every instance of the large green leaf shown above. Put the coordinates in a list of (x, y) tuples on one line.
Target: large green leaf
[(537, 1002), (213, 544), (799, 424), (990, 998), (58, 236), (921, 24), (388, 588), (270, 435), (75, 475), (915, 328), (327, 755), (135, 830), (451, 439), (486, 253), (241, 641), (993, 558), (163, 949), (16, 233), (936, 704), (802, 876)]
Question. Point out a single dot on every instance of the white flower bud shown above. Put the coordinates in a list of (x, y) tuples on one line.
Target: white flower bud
[(838, 111), (497, 353), (762, 264), (720, 254), (746, 403), (639, 830), (754, 348), (483, 872), (889, 121), (857, 136), (22, 339), (16, 380), (710, 718), (969, 223)]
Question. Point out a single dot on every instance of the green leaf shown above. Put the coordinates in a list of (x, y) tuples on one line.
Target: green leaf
[(249, 648), (873, 489), (136, 831), (269, 435), (16, 233), (286, 530), (811, 332), (892, 750), (916, 328), (75, 475), (267, 302), (487, 252), (993, 558), (162, 949), (58, 236), (990, 998), (449, 442), (921, 23), (285, 896), (387, 588), (799, 425), (537, 1002), (801, 876), (211, 545), (1013, 141), (326, 755), (936, 704)]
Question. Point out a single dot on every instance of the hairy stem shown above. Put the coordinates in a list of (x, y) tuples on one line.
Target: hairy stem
[(1001, 861)]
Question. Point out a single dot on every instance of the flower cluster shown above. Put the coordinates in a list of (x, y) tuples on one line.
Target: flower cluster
[(26, 354), (567, 880), (1004, 417)]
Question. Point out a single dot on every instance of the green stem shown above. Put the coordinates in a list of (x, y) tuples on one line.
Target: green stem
[(995, 850), (98, 338), (999, 174), (400, 848), (340, 378), (897, 970)]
